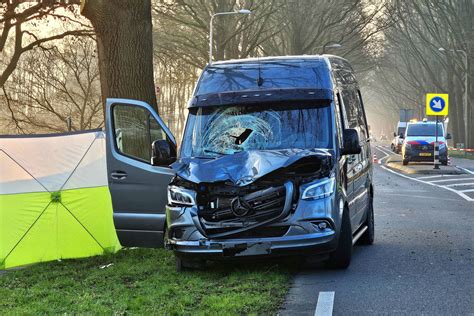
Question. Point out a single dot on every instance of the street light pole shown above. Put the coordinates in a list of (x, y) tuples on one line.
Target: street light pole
[(466, 114), (243, 11)]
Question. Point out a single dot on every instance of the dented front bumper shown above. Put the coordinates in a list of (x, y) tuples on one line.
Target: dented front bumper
[(288, 245), (302, 237)]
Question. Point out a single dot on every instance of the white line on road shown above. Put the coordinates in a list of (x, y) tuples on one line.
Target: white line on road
[(383, 151), (325, 304), (391, 152), (421, 196), (440, 176), (464, 196), (464, 169), (470, 190), (396, 190), (448, 180), (459, 184)]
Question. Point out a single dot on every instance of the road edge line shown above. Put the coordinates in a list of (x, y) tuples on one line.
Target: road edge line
[(466, 170), (325, 304), (464, 196)]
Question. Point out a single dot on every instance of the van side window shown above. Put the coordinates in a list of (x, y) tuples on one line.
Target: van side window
[(354, 113), (339, 122)]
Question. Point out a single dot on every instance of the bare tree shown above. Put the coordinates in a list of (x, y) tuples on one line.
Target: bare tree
[(183, 29), (19, 21), (412, 65), (55, 85), (310, 27)]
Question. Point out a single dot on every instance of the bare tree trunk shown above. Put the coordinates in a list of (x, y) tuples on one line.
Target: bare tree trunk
[(125, 47)]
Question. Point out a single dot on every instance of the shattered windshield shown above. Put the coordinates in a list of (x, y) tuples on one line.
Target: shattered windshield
[(225, 130)]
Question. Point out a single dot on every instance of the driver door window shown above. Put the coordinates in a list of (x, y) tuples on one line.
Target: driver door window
[(134, 131)]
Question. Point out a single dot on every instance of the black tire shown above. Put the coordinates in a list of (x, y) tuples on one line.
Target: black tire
[(444, 163), (341, 257), (368, 237), (405, 162)]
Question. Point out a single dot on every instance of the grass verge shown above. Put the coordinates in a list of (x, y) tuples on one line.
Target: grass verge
[(143, 281)]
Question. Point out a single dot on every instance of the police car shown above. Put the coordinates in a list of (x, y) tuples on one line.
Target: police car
[(418, 142)]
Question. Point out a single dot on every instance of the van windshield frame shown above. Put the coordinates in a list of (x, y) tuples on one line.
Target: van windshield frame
[(212, 132)]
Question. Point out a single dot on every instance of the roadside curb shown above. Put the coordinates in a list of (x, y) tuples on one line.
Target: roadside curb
[(397, 166)]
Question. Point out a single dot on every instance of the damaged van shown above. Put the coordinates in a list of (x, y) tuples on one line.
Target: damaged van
[(274, 161)]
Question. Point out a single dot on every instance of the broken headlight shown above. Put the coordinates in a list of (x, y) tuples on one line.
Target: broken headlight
[(181, 196), (319, 189)]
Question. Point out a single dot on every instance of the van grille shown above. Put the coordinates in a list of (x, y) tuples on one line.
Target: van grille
[(224, 210)]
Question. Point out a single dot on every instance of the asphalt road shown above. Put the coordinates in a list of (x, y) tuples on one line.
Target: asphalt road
[(421, 261), (447, 177)]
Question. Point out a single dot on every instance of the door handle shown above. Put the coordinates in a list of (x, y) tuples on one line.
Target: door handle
[(118, 175)]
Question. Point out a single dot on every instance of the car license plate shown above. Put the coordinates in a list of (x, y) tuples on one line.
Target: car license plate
[(425, 154)]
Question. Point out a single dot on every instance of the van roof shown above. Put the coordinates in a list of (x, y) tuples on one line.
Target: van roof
[(424, 122), (316, 84), (294, 58)]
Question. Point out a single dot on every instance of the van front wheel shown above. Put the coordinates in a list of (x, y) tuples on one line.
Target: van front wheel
[(341, 258), (368, 237)]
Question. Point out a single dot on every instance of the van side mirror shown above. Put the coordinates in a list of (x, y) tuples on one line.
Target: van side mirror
[(351, 142), (448, 136), (401, 136), (163, 153)]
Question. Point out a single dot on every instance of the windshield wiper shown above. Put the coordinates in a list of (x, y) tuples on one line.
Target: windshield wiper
[(215, 152)]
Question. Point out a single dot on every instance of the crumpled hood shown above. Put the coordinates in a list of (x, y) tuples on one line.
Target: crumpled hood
[(245, 167)]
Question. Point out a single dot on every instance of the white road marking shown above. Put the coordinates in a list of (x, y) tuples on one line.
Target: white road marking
[(439, 176), (399, 190), (459, 184), (448, 180), (421, 196), (383, 151), (470, 190), (464, 169), (391, 152), (325, 304), (464, 196)]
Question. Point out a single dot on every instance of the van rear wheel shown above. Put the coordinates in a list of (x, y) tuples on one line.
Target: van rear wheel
[(341, 258)]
